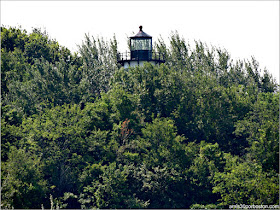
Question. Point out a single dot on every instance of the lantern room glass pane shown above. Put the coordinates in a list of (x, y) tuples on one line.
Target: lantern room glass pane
[(141, 44)]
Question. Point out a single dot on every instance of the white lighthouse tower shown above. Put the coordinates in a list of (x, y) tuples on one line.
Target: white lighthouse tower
[(140, 51)]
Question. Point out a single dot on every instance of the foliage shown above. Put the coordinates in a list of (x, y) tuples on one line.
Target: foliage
[(99, 65), (22, 180), (79, 131), (246, 182), (260, 128)]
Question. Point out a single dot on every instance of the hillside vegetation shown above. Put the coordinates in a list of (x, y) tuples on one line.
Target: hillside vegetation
[(79, 131)]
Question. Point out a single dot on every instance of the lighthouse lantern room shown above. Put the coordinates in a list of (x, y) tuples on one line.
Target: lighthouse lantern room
[(140, 51)]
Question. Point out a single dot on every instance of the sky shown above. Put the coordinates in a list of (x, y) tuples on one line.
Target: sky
[(243, 28)]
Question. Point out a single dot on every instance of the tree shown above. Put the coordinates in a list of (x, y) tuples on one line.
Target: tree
[(22, 180), (115, 188), (208, 162), (99, 65), (199, 131), (246, 183), (260, 128), (165, 159)]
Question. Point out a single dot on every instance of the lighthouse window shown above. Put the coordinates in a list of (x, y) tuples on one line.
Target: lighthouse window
[(141, 44)]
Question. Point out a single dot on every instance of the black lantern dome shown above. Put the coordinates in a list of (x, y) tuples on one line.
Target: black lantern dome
[(140, 50), (141, 33)]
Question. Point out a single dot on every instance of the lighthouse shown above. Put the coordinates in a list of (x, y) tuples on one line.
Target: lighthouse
[(141, 50)]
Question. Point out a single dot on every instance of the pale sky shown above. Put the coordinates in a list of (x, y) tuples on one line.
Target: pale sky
[(243, 28)]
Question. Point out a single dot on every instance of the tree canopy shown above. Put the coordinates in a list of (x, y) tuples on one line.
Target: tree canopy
[(80, 131)]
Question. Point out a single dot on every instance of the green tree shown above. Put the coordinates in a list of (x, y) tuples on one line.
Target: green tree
[(209, 160), (200, 131), (30, 60), (10, 130), (245, 183), (22, 180), (115, 188), (99, 64), (165, 159), (260, 129)]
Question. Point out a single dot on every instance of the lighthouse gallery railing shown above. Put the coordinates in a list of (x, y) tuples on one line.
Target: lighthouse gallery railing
[(155, 56)]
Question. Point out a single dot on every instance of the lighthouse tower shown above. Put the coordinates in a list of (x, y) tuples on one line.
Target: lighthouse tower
[(140, 51)]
